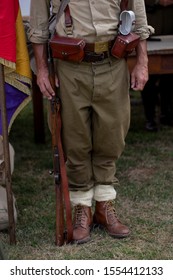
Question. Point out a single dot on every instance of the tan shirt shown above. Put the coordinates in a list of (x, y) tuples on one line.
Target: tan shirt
[(92, 19)]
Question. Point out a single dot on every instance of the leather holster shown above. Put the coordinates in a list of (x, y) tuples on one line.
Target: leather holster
[(124, 44)]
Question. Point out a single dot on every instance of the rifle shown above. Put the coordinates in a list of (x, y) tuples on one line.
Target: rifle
[(59, 168)]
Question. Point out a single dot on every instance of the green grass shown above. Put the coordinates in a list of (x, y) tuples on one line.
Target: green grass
[(144, 197)]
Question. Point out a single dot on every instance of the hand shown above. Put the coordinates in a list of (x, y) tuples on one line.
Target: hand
[(44, 84), (43, 80), (166, 2), (139, 77)]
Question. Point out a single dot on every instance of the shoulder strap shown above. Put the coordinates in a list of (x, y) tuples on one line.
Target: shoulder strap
[(62, 7), (55, 18), (124, 5)]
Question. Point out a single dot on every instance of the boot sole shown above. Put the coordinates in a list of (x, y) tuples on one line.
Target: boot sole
[(82, 241), (112, 235)]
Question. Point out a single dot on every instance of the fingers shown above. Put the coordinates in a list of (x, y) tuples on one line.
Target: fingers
[(137, 84), (46, 89), (44, 84), (139, 77)]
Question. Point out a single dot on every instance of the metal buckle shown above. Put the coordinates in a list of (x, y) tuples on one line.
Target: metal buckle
[(100, 47), (69, 30)]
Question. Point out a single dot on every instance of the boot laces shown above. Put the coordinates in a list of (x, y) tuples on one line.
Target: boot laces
[(111, 213), (80, 216)]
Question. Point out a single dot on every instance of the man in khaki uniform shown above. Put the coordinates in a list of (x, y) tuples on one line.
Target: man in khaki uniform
[(95, 104), (159, 88)]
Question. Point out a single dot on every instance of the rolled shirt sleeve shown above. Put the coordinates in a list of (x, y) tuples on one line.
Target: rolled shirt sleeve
[(141, 25), (39, 21)]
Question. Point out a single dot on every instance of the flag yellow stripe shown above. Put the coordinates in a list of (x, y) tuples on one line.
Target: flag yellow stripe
[(22, 56)]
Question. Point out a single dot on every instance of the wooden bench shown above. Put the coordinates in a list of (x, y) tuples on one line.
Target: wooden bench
[(160, 55)]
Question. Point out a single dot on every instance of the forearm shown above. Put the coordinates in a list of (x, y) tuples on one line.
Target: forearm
[(139, 75), (43, 81), (141, 53), (40, 53)]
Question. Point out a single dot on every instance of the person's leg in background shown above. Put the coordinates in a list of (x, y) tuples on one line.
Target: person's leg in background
[(150, 101), (166, 99)]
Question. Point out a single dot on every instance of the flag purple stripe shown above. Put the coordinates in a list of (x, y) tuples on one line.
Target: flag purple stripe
[(14, 99)]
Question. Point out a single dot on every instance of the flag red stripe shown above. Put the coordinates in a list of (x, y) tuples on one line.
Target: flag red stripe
[(9, 11)]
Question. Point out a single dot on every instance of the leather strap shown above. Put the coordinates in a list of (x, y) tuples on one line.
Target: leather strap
[(68, 21), (61, 10), (124, 5), (64, 8), (54, 19)]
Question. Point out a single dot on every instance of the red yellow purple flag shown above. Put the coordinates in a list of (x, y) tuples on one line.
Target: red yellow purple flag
[(15, 58)]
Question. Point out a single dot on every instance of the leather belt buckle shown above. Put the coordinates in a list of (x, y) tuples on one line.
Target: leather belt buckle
[(69, 30), (100, 47), (95, 57)]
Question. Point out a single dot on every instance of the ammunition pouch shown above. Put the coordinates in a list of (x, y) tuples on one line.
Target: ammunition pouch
[(124, 44), (65, 48)]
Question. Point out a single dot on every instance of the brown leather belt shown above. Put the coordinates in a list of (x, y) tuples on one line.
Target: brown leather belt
[(95, 57), (98, 51)]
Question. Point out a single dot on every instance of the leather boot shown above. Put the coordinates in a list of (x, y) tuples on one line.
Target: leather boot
[(81, 224), (105, 216)]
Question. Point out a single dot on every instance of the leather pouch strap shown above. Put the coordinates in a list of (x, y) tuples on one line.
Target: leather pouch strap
[(64, 8), (68, 21), (61, 10), (124, 5)]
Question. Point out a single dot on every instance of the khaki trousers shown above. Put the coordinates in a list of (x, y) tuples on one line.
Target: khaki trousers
[(95, 117)]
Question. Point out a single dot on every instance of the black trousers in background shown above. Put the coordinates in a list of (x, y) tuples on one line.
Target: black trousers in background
[(158, 91)]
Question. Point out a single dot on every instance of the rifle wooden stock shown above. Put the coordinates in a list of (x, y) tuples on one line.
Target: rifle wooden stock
[(60, 176), (56, 169)]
